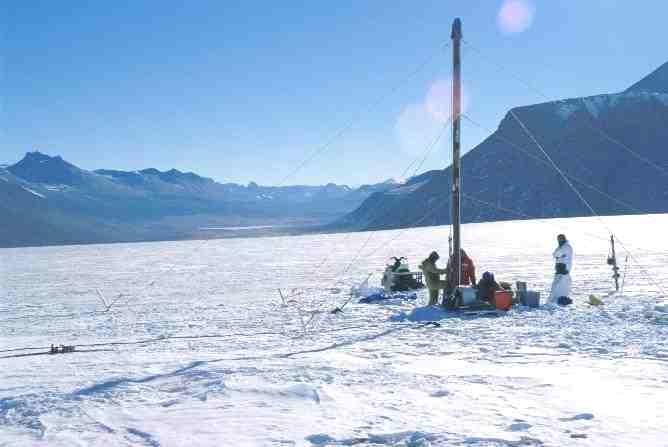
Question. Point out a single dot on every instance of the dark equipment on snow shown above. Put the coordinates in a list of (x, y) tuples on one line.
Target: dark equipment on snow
[(398, 276), (62, 349), (612, 261), (564, 301)]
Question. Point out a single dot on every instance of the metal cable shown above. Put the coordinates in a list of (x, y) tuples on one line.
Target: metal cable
[(373, 105), (538, 92), (518, 147), (594, 213)]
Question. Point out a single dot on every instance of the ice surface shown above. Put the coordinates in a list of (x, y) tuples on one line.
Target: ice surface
[(199, 349)]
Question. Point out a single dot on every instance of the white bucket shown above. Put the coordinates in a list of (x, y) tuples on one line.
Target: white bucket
[(468, 295)]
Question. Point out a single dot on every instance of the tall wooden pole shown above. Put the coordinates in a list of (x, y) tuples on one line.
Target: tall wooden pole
[(456, 136)]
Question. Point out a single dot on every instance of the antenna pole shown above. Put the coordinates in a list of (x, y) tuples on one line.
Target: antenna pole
[(456, 136)]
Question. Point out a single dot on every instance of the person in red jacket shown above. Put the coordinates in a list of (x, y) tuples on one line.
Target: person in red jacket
[(468, 272)]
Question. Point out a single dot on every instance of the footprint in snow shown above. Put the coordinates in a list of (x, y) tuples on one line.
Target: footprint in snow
[(169, 403), (579, 417), (519, 426), (440, 393)]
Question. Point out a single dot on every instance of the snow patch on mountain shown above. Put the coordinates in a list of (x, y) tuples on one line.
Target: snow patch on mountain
[(566, 109), (661, 97), (642, 96), (598, 105), (595, 104), (56, 188), (34, 192), (407, 189)]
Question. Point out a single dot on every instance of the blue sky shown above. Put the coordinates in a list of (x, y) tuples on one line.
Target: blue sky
[(242, 91)]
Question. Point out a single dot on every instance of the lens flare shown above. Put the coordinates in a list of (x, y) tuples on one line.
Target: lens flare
[(439, 100), (415, 126), (515, 16), (419, 123)]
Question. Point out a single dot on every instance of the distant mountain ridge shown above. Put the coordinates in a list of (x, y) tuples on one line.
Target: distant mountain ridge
[(47, 200), (40, 168), (656, 82), (613, 147), (137, 177)]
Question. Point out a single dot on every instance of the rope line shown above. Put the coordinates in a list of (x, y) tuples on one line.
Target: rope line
[(283, 355), (373, 105), (410, 227), (385, 244), (521, 214), (640, 157), (528, 132), (542, 161), (185, 337), (538, 92), (388, 210), (554, 165), (378, 206), (377, 216), (395, 237), (394, 89), (427, 152)]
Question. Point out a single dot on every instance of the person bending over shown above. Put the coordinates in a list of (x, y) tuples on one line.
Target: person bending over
[(432, 277)]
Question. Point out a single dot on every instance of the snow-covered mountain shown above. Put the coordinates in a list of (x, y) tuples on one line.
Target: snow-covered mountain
[(37, 167), (612, 147), (75, 205)]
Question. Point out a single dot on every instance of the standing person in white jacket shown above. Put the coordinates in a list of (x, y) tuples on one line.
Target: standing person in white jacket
[(563, 262)]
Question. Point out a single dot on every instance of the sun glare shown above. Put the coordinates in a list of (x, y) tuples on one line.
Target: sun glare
[(515, 16), (420, 122)]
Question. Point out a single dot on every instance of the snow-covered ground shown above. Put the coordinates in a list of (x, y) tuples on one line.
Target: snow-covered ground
[(199, 350)]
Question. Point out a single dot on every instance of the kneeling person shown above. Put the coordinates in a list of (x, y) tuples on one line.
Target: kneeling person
[(486, 288)]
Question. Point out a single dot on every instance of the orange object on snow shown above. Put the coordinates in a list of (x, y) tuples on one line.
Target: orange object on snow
[(503, 299)]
